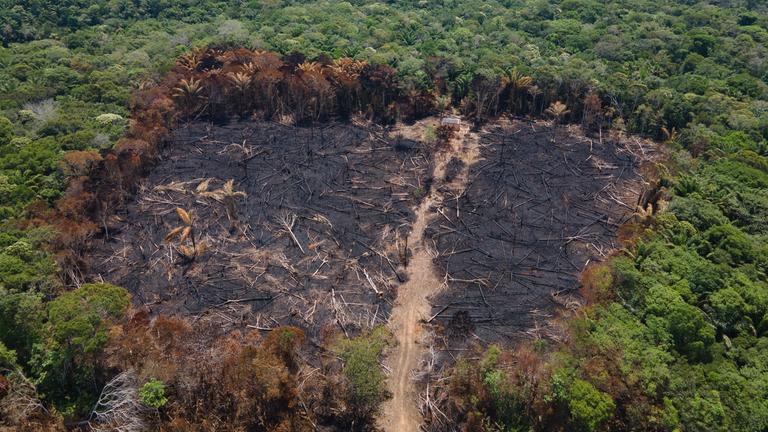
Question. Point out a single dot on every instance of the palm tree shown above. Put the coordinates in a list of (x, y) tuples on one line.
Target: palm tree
[(308, 67), (240, 80), (242, 83), (251, 69), (226, 195), (184, 232), (190, 60), (347, 68), (670, 136), (557, 110), (461, 86), (188, 93), (535, 92), (517, 83)]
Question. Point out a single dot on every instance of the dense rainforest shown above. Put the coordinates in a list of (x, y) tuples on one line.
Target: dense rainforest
[(673, 333)]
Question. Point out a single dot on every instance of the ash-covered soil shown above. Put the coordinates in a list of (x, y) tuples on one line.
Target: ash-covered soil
[(314, 230), (312, 233), (512, 240)]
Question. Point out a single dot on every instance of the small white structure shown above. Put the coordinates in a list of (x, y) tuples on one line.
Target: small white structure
[(453, 122)]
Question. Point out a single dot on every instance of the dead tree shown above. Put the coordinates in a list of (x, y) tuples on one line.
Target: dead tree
[(485, 91), (118, 408), (557, 110), (227, 195), (288, 221), (21, 401)]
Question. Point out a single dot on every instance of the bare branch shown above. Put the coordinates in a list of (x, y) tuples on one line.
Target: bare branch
[(118, 408)]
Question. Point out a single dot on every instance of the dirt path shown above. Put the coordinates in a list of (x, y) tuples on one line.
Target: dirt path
[(401, 413)]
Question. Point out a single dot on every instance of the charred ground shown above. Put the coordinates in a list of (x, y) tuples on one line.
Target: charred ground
[(537, 206), (319, 233), (316, 236)]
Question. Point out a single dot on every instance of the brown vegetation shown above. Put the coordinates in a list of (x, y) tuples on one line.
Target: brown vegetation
[(221, 382)]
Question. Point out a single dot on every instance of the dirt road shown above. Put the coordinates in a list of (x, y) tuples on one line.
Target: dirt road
[(401, 413)]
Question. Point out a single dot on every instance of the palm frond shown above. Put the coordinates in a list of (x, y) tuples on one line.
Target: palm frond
[(184, 215), (172, 234)]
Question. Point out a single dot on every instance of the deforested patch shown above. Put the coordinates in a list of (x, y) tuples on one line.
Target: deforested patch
[(538, 205), (299, 226)]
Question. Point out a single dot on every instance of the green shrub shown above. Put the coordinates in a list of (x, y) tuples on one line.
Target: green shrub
[(7, 357), (80, 319), (152, 394), (65, 361), (507, 402), (361, 357), (589, 407), (6, 131)]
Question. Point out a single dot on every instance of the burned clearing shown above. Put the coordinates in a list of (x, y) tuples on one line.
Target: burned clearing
[(310, 232), (536, 207), (313, 228)]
